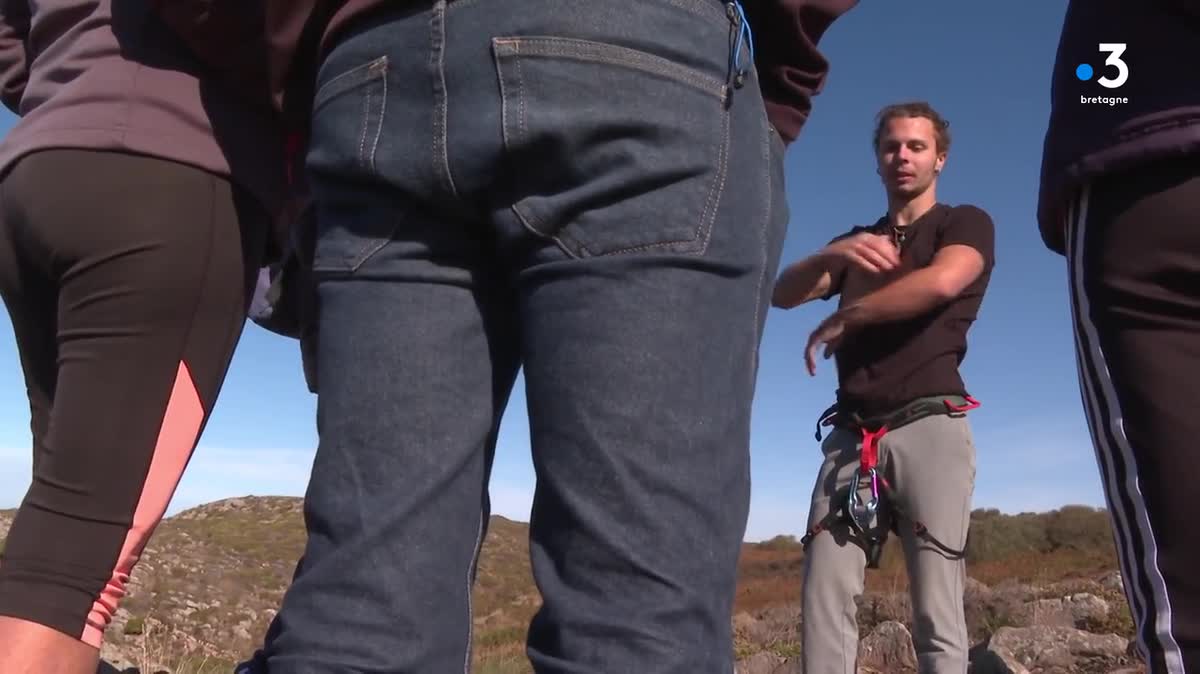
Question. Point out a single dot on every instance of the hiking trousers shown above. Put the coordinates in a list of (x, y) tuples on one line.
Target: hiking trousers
[(930, 464), (1134, 260), (127, 280)]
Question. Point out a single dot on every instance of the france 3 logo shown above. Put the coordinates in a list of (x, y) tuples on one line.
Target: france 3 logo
[(1109, 79)]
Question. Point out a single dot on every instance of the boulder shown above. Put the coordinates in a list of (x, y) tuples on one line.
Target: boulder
[(1061, 648), (889, 648), (1077, 611)]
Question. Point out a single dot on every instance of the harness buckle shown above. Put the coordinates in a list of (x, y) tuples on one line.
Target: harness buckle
[(969, 405)]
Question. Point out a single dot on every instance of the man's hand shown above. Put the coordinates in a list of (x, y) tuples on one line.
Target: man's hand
[(818, 274), (829, 334), (871, 252)]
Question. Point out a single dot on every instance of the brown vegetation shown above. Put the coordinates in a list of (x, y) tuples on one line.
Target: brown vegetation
[(209, 583)]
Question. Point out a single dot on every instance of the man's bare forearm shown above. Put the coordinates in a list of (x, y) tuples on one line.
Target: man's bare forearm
[(805, 280), (909, 296), (953, 269)]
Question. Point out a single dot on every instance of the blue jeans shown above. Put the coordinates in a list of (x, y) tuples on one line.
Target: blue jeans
[(578, 188)]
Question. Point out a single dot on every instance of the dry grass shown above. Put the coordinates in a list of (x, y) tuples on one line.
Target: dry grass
[(207, 587), (159, 647)]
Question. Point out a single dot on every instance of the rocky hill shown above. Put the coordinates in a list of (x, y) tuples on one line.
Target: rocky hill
[(1042, 598)]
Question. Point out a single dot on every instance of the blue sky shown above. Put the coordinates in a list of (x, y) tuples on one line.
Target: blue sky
[(986, 67)]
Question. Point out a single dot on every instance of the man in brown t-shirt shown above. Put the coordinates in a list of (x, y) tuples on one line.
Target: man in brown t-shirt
[(901, 455)]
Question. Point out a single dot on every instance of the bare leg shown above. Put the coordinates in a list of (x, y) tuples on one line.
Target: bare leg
[(30, 648)]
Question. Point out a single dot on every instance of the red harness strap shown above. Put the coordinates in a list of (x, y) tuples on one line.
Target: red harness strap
[(870, 448)]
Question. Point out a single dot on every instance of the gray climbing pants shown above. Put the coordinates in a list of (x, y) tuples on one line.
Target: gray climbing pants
[(930, 464)]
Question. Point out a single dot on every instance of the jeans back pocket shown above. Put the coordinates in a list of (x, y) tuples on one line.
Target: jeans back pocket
[(347, 125), (612, 149)]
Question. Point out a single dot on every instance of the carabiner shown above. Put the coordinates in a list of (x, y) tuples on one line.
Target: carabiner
[(861, 513), (737, 14)]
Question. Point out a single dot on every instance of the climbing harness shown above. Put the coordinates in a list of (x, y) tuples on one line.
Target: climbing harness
[(860, 514)]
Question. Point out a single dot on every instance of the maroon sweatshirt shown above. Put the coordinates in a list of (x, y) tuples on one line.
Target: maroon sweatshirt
[(108, 75), (1154, 114)]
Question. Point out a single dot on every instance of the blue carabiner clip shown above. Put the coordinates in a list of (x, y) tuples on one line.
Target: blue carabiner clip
[(737, 12)]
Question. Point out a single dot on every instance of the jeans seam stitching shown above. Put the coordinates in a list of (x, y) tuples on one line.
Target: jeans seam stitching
[(611, 54), (366, 121), (766, 223), (470, 602), (323, 94), (703, 9), (504, 110), (441, 141), (379, 125), (521, 94)]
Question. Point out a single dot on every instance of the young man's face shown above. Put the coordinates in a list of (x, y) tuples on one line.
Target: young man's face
[(908, 156)]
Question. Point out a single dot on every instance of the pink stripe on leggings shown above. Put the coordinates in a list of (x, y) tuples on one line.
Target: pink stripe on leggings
[(177, 438)]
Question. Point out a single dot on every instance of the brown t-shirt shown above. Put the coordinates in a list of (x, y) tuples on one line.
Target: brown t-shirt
[(886, 365)]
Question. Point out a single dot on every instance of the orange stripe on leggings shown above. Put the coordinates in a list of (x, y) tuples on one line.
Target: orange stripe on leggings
[(176, 439)]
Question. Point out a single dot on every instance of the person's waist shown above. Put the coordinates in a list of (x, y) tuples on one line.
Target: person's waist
[(1079, 148), (350, 16), (219, 135), (857, 414), (1076, 153)]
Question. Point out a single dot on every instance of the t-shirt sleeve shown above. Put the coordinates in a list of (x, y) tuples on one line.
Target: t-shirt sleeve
[(835, 284), (971, 226), (847, 234)]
